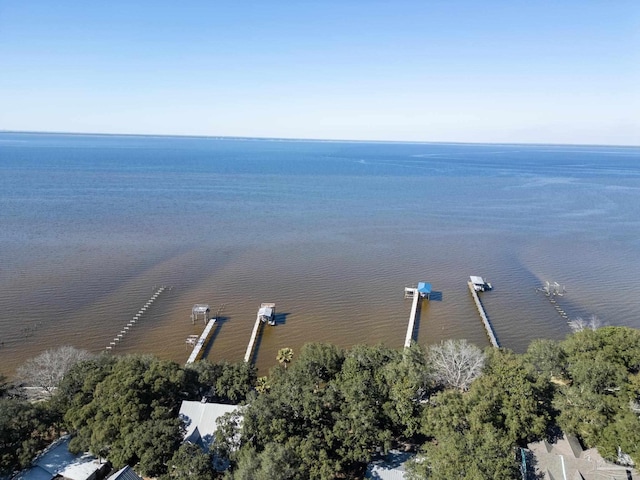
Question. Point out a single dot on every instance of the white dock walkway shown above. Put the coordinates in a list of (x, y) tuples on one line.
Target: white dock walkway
[(202, 342), (252, 341), (412, 317), (483, 316)]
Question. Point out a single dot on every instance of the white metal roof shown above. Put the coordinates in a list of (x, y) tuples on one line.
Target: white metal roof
[(200, 419), (477, 280), (57, 460), (200, 308)]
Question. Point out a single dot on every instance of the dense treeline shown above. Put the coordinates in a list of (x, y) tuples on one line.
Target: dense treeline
[(330, 411)]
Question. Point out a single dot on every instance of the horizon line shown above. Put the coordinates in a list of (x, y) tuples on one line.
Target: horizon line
[(301, 139)]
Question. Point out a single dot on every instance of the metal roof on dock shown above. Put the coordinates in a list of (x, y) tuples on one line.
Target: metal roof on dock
[(424, 288)]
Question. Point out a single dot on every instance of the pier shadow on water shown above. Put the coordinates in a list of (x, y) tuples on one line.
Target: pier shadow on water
[(281, 318), (436, 296), (491, 326), (416, 324), (214, 335), (433, 297)]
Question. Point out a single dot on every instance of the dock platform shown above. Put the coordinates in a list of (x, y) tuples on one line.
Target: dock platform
[(202, 342), (483, 315)]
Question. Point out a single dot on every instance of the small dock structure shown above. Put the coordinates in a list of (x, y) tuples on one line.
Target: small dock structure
[(476, 286), (266, 314), (423, 290), (200, 310), (480, 284), (201, 342)]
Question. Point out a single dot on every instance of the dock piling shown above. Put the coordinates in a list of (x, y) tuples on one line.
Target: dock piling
[(135, 318)]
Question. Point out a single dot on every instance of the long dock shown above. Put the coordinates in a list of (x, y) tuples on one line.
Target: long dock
[(412, 316), (202, 342), (252, 341), (423, 290), (483, 316), (116, 340)]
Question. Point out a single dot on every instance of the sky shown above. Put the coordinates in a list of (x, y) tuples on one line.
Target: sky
[(435, 71)]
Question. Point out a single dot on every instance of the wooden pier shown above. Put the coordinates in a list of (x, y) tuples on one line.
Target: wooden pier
[(412, 317), (483, 316), (266, 314), (252, 341), (127, 328), (422, 291), (202, 342)]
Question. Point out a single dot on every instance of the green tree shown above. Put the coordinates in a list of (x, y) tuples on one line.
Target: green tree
[(363, 422), (5, 386), (548, 358), (275, 461), (189, 461), (410, 382), (225, 382), (471, 455), (598, 402), (512, 397), (136, 400), (330, 409), (24, 430)]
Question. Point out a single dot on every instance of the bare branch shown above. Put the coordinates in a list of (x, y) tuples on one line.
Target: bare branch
[(456, 363), (47, 369)]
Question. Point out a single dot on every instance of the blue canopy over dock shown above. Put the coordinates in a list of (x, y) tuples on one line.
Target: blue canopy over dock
[(424, 289)]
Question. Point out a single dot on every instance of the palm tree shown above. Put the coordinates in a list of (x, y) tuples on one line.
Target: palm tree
[(262, 385), (285, 355)]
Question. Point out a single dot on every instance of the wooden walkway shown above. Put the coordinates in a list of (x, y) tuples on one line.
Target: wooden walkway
[(202, 342), (483, 316), (135, 318), (252, 341), (412, 316)]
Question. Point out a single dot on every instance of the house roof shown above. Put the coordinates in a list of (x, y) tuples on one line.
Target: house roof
[(390, 467), (565, 458), (424, 287), (56, 460), (125, 473), (200, 420)]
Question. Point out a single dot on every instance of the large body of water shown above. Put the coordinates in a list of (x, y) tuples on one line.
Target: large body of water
[(331, 232)]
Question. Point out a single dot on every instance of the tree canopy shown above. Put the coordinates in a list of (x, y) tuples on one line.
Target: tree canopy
[(331, 410)]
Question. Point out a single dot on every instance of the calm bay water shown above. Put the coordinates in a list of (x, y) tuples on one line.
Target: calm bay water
[(330, 231)]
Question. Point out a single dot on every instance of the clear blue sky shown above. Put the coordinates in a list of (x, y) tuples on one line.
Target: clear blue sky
[(470, 71)]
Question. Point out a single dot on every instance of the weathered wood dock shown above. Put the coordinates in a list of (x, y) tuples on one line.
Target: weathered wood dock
[(127, 328), (483, 315), (202, 342)]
